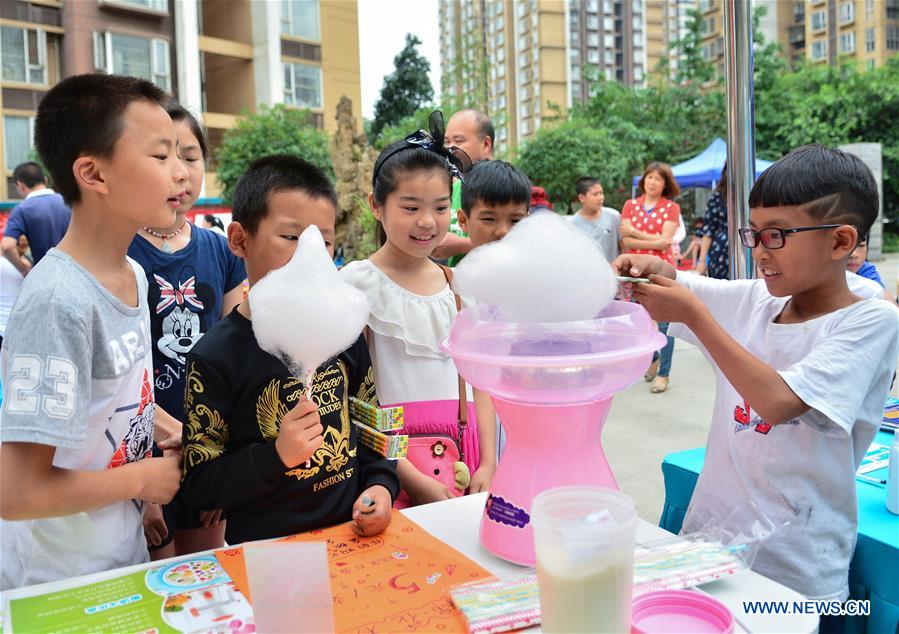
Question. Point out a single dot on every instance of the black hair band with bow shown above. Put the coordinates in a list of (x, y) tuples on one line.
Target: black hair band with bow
[(457, 160)]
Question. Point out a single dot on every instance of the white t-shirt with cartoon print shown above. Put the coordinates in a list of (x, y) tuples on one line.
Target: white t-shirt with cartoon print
[(799, 474), (77, 376)]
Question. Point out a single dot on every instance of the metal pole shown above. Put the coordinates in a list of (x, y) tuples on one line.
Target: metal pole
[(740, 94)]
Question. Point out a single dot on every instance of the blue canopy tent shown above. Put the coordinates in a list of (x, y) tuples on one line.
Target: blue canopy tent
[(704, 169)]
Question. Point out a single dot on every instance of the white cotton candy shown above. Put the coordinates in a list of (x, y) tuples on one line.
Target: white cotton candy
[(303, 312), (545, 269)]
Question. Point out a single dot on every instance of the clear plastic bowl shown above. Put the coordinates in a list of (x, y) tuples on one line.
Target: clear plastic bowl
[(553, 363)]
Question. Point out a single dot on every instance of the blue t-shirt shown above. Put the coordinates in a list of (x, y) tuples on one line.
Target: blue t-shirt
[(43, 219), (185, 291), (870, 271)]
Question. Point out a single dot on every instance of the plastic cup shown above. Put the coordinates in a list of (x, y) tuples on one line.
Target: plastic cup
[(291, 586), (584, 540)]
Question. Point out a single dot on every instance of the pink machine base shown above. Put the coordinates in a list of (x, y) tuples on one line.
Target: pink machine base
[(531, 465)]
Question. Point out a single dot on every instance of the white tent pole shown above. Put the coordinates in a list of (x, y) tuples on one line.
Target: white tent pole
[(738, 66)]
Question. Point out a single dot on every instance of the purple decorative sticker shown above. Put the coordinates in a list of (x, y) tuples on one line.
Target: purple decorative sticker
[(506, 513)]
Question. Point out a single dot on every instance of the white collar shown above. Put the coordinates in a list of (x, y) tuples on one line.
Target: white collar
[(46, 191)]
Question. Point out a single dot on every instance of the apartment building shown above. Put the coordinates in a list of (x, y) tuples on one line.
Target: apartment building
[(220, 58), (820, 31), (520, 59), (507, 57)]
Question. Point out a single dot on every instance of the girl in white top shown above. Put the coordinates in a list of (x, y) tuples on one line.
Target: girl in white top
[(412, 308)]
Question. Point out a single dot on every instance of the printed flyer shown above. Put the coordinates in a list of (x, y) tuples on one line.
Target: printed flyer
[(189, 595)]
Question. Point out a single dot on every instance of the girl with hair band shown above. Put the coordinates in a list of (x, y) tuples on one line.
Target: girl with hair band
[(412, 308)]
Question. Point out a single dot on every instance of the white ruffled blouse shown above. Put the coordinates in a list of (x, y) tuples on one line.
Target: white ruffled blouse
[(406, 333)]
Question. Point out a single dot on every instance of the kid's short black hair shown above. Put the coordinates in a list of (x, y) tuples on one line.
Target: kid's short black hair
[(495, 183), (82, 116), (272, 174), (829, 184), (585, 184), (29, 174)]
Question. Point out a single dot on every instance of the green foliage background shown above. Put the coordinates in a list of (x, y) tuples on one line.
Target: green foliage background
[(275, 130)]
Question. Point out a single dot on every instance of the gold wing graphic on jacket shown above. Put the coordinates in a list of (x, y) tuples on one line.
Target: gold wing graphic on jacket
[(270, 411), (335, 452)]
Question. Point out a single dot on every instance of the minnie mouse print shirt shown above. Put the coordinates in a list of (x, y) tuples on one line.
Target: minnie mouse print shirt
[(76, 371), (185, 296)]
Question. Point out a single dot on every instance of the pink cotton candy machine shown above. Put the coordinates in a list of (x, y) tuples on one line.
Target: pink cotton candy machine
[(552, 385)]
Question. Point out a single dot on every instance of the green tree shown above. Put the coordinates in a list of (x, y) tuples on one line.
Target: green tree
[(691, 65), (274, 130), (406, 89), (832, 106), (558, 155)]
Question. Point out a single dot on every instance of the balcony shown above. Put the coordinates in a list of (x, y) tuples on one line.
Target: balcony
[(799, 13), (796, 36)]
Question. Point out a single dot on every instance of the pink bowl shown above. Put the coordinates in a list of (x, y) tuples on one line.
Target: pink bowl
[(680, 612), (553, 363)]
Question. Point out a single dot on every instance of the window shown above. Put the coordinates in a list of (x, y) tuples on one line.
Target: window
[(869, 9), (847, 12), (819, 21), (525, 108), (819, 49), (522, 59), (17, 139), (592, 39), (870, 42), (154, 5), (708, 25), (893, 38), (593, 56), (500, 39), (144, 57), (592, 22), (609, 41), (300, 18), (847, 42), (302, 85), (24, 55)]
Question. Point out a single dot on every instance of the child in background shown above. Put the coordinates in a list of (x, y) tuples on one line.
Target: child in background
[(412, 308), (248, 431), (858, 263), (602, 224), (495, 199), (803, 366), (78, 410), (194, 280)]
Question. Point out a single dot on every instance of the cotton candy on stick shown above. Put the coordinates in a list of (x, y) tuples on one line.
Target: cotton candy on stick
[(303, 312), (544, 270)]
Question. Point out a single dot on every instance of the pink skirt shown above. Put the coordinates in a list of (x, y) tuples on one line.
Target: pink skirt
[(441, 417)]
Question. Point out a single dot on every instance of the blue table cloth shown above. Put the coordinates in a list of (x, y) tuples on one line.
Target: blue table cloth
[(874, 572)]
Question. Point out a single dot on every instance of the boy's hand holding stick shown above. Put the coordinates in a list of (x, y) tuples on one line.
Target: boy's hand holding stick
[(663, 298), (300, 435)]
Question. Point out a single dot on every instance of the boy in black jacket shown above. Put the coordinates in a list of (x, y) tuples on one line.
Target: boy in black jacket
[(248, 432)]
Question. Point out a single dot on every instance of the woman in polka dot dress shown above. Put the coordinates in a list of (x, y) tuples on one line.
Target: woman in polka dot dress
[(654, 213)]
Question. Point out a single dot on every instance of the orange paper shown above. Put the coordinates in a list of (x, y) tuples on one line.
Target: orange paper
[(398, 581)]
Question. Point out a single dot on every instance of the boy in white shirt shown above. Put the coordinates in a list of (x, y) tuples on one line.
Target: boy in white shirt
[(803, 366)]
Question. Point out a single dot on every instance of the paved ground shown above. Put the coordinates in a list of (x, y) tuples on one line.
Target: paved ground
[(643, 427)]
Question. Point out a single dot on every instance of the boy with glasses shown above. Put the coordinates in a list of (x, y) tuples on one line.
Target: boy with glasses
[(803, 366)]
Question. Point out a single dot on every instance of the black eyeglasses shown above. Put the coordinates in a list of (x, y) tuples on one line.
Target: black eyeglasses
[(773, 238)]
